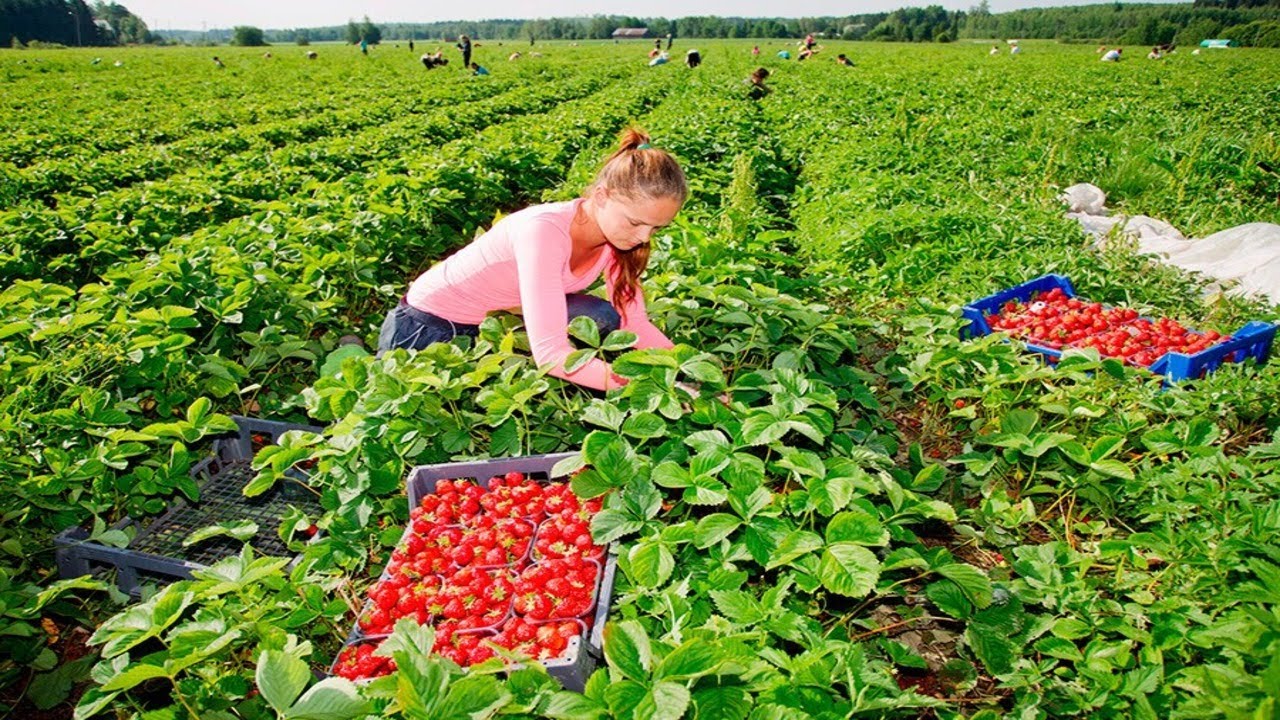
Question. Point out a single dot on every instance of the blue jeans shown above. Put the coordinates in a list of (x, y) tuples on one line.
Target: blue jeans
[(413, 329)]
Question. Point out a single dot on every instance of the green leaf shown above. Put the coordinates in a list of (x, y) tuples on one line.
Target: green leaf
[(281, 678), (1042, 443), (706, 490), (747, 502), (902, 655), (727, 702), (949, 598), (1059, 648), (714, 528), (849, 569), (1019, 422), (133, 676), (651, 563), (603, 413), (590, 484), (1071, 629), (762, 428), (585, 329), (976, 585), (330, 699), (704, 372), (611, 456), (578, 358), (857, 526), (672, 474), (992, 648), (627, 649), (50, 689), (239, 530), (568, 466), (642, 499), (619, 340), (1105, 446), (609, 525), (739, 606), (692, 659), (1112, 468), (1076, 452), (566, 705), (664, 701), (795, 544), (645, 425), (198, 411), (474, 696), (624, 697)]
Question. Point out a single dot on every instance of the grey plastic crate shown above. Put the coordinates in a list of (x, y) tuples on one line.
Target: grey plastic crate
[(156, 552), (574, 670)]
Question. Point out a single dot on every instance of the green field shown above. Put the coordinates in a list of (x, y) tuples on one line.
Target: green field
[(886, 521)]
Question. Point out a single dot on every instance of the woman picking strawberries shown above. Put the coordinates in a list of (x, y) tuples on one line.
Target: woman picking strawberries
[(539, 260)]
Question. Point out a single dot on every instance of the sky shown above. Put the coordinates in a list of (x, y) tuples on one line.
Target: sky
[(280, 14)]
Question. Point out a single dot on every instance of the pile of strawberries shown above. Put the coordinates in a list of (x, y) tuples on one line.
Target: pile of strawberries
[(510, 564), (1054, 320)]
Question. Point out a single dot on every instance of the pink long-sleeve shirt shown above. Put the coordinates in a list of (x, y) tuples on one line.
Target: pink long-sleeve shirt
[(523, 261)]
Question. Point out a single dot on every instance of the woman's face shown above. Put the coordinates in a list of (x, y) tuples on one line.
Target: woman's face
[(630, 222)]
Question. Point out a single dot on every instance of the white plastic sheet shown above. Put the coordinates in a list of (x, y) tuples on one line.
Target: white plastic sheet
[(1244, 259)]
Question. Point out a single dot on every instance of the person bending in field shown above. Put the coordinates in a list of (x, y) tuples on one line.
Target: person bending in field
[(1112, 55), (540, 260), (842, 60), (693, 58), (756, 80), (478, 69)]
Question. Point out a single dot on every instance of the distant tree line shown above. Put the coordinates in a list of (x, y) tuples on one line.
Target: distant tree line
[(70, 22), (599, 27), (1257, 24), (1249, 22)]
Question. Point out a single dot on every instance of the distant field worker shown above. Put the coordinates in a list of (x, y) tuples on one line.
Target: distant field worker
[(662, 59), (784, 54), (755, 50), (693, 58), (1112, 55), (842, 60), (995, 50), (410, 44), (478, 69), (756, 80), (1154, 54), (464, 45), (434, 60), (513, 56), (1015, 49), (218, 63), (541, 259), (312, 55)]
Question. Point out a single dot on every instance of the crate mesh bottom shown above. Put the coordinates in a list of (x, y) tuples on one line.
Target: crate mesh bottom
[(222, 501)]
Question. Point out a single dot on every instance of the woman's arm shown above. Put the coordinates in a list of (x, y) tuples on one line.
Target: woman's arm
[(636, 318), (540, 260)]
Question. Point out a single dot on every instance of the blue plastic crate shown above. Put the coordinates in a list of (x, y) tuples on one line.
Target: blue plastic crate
[(1251, 341)]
